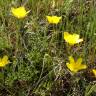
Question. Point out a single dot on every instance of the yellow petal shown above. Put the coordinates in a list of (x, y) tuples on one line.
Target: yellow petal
[(72, 38), (5, 60), (56, 19), (69, 38), (79, 61), (66, 35), (1, 64), (53, 19), (71, 67), (82, 66), (75, 36), (71, 59), (19, 12), (49, 18), (94, 72)]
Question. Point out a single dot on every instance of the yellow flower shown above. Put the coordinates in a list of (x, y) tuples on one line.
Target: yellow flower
[(4, 61), (75, 66), (72, 38), (53, 19), (94, 72), (19, 12)]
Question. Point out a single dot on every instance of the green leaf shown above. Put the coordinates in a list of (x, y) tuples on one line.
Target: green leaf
[(90, 89)]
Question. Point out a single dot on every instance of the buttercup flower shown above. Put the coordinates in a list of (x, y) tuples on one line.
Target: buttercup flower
[(4, 61), (94, 72), (72, 38), (53, 19), (19, 12), (75, 66)]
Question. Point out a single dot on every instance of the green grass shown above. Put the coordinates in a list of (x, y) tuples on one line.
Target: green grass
[(38, 55)]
